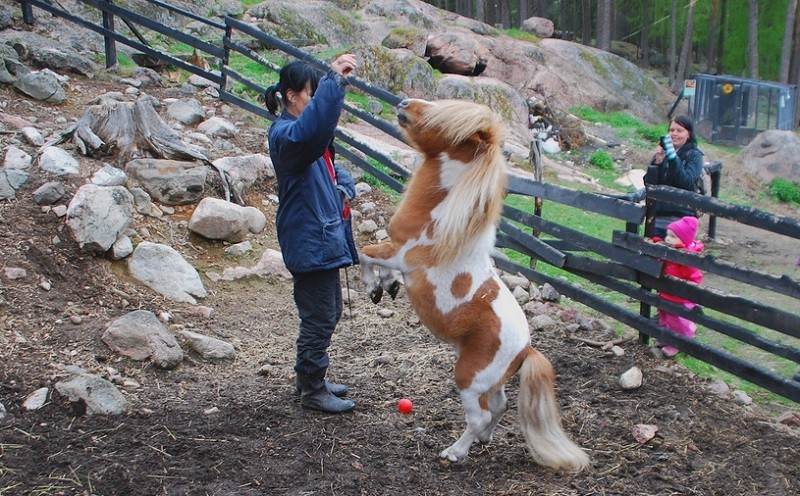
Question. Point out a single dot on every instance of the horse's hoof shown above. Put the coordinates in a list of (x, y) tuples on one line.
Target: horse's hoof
[(393, 289), (376, 295)]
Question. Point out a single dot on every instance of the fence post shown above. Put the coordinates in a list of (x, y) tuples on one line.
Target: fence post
[(536, 162), (716, 179), (649, 231), (110, 44), (27, 12), (226, 55)]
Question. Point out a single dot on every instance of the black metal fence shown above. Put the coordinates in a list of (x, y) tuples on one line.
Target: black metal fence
[(621, 262), (734, 110)]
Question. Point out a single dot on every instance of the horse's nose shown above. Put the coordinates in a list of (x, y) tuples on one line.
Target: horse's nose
[(404, 104)]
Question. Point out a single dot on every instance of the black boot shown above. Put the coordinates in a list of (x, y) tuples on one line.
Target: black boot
[(339, 390), (318, 397)]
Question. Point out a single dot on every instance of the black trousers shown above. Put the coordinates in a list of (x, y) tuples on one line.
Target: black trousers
[(318, 296)]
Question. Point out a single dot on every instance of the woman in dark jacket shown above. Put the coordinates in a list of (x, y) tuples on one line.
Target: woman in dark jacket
[(313, 219), (677, 162)]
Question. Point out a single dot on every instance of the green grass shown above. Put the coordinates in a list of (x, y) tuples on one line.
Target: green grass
[(628, 127), (521, 35), (602, 160), (784, 191)]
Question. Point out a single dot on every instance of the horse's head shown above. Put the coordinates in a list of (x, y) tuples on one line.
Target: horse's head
[(462, 143), (461, 128)]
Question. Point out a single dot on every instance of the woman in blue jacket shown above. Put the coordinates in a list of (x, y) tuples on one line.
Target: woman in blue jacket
[(313, 220)]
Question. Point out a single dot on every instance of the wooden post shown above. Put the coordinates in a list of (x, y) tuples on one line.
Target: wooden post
[(27, 12), (649, 231), (716, 179), (110, 44), (226, 56), (536, 162)]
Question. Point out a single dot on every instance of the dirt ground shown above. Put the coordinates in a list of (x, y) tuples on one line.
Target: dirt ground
[(223, 428)]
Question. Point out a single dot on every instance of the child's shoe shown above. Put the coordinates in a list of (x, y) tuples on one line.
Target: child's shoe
[(669, 351)]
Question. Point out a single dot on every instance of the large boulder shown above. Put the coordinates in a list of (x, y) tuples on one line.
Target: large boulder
[(539, 26), (497, 95), (773, 154)]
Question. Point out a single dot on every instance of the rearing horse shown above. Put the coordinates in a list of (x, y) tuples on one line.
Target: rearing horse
[(440, 241)]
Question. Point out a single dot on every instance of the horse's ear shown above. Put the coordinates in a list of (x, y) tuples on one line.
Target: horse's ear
[(486, 138)]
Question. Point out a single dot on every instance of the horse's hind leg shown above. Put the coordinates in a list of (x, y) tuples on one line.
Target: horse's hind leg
[(478, 420), (498, 406)]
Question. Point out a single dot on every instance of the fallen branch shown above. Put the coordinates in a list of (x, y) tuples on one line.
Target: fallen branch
[(605, 345)]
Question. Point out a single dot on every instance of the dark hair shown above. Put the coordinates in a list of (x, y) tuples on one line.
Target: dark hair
[(293, 76), (686, 122)]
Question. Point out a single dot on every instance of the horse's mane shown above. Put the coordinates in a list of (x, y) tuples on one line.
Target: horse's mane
[(474, 203)]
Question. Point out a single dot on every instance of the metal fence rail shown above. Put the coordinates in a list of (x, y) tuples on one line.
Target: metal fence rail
[(625, 263)]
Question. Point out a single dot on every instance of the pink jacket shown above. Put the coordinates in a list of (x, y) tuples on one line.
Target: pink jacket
[(691, 274)]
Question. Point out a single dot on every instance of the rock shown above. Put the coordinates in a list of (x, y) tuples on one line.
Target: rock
[(208, 347), (790, 418), (98, 215), (164, 270), (14, 273), (539, 26), (97, 394), (36, 399), (41, 85), (49, 193), (141, 336), (631, 379), (541, 322), (549, 293), (59, 162), (16, 158), (644, 432)]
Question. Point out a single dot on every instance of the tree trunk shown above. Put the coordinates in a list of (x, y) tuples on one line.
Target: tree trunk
[(673, 35), (723, 14), (524, 10), (686, 51), (586, 28), (644, 44), (752, 39), (604, 24), (786, 48), (713, 36), (480, 11), (794, 71), (505, 13)]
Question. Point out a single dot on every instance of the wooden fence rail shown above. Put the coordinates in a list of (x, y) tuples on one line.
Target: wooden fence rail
[(623, 263)]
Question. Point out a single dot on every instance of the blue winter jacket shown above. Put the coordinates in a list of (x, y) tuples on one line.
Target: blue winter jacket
[(312, 232)]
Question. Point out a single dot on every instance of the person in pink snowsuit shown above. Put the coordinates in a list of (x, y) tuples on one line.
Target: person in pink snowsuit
[(680, 235)]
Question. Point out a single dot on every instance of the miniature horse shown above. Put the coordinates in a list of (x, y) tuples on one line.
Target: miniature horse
[(441, 237)]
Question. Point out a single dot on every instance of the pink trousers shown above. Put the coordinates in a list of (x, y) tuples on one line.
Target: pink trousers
[(679, 325)]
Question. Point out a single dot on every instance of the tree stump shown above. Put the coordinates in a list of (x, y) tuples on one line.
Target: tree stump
[(129, 130)]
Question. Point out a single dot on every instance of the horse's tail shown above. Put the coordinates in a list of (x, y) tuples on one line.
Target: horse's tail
[(540, 420)]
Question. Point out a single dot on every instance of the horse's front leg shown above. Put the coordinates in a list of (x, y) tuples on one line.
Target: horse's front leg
[(380, 269)]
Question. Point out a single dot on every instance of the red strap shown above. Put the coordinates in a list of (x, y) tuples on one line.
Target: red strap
[(329, 163)]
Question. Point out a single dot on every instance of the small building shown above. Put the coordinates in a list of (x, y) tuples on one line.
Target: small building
[(732, 111)]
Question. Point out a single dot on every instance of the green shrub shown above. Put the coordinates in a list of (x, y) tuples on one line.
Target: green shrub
[(602, 160), (784, 190)]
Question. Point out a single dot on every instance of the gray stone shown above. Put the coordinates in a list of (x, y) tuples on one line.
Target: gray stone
[(140, 336), (41, 86)]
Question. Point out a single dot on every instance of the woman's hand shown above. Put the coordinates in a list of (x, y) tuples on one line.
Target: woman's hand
[(658, 155), (345, 64)]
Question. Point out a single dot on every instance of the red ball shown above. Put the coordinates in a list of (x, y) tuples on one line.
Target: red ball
[(405, 406)]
